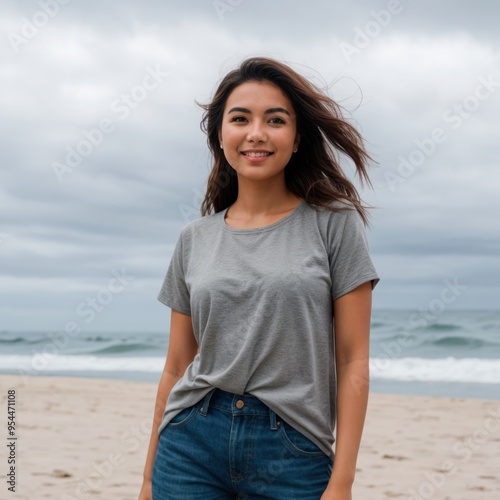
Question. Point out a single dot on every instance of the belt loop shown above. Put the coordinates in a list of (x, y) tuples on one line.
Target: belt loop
[(272, 416), (206, 402)]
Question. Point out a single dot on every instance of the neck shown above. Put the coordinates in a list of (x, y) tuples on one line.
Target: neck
[(259, 198)]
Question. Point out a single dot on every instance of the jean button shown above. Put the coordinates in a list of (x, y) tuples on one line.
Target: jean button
[(240, 404)]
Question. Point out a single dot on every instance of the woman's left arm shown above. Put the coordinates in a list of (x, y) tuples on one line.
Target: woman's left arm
[(352, 314)]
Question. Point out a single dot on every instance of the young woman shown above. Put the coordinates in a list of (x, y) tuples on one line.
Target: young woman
[(271, 301)]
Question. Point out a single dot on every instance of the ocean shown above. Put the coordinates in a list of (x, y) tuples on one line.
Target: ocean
[(455, 354)]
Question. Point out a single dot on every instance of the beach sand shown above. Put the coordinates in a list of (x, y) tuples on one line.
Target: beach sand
[(87, 438)]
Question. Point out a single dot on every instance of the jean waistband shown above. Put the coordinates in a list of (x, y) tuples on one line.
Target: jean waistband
[(238, 405)]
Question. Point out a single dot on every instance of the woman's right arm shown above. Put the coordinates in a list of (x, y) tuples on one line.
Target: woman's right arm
[(182, 349)]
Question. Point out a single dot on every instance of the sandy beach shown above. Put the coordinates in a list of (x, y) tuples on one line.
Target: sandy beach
[(87, 438)]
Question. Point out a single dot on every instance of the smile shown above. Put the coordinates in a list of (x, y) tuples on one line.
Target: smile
[(256, 154)]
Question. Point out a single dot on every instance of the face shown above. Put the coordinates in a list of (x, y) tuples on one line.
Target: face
[(259, 130)]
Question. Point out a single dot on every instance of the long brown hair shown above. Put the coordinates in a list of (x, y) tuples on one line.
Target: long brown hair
[(314, 172)]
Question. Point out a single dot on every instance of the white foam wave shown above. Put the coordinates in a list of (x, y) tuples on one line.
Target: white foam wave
[(449, 369), (67, 363)]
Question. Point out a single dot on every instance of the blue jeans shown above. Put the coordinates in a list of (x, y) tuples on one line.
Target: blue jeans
[(234, 447)]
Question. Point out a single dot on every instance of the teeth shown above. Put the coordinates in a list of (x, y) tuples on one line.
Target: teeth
[(256, 155)]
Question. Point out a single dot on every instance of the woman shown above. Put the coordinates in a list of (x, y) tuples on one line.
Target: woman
[(271, 302)]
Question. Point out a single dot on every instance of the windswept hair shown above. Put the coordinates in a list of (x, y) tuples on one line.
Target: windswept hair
[(314, 172)]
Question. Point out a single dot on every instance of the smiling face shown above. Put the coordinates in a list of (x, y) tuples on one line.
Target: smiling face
[(259, 130)]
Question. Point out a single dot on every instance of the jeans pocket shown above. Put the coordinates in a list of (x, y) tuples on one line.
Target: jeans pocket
[(297, 443), (183, 417)]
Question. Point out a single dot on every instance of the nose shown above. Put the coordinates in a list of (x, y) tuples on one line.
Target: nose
[(256, 132)]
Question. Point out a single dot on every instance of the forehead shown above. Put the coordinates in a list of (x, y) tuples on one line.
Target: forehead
[(258, 95)]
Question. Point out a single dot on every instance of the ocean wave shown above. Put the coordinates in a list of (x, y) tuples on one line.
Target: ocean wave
[(378, 324), (57, 363), (443, 327), (21, 339), (124, 348), (12, 340), (449, 369), (30, 337), (455, 341), (423, 340), (26, 343)]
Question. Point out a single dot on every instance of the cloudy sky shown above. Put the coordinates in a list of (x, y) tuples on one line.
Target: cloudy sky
[(103, 161)]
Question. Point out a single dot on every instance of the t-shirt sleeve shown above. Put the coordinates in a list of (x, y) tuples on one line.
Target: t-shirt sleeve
[(174, 292), (350, 261)]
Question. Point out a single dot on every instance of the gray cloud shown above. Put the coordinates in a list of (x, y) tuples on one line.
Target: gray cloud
[(124, 204)]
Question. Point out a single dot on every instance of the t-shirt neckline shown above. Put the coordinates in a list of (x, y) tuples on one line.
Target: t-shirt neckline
[(262, 229)]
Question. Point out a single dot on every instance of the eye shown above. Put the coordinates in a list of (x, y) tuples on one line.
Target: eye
[(277, 121), (238, 119)]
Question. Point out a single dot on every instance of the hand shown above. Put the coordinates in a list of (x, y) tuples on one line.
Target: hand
[(337, 493), (146, 492)]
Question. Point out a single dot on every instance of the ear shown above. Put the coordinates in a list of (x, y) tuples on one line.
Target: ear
[(296, 142)]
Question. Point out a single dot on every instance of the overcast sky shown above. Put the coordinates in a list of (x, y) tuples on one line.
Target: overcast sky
[(103, 161)]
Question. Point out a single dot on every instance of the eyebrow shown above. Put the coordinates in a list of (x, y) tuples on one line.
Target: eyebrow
[(267, 111)]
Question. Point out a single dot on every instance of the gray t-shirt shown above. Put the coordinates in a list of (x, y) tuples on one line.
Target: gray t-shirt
[(261, 303)]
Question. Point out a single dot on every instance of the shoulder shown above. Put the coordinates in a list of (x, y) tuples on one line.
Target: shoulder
[(338, 223), (200, 226), (337, 212)]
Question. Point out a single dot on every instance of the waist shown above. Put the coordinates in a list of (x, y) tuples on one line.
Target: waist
[(243, 404)]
